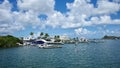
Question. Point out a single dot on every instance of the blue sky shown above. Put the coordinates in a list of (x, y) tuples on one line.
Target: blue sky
[(75, 18)]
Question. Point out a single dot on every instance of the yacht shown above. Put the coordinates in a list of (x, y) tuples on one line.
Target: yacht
[(41, 43)]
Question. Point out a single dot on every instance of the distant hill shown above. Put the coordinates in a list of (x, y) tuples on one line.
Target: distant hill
[(8, 41), (110, 37)]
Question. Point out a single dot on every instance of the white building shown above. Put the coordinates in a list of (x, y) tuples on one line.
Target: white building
[(64, 37), (83, 39), (26, 40)]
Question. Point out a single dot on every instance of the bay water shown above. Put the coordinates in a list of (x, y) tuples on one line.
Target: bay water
[(83, 55)]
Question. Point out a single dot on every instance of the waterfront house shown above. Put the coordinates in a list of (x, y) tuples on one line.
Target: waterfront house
[(28, 40)]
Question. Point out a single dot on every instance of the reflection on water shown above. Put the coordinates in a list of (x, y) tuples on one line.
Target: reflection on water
[(92, 55)]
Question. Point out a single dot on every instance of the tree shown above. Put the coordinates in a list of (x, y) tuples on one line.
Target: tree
[(57, 38), (41, 34), (46, 35), (9, 41), (31, 33)]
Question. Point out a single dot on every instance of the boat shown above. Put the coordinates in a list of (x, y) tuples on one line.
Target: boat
[(59, 43), (96, 41), (46, 46), (43, 44)]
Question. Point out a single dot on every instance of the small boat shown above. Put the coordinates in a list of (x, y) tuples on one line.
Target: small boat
[(46, 46), (96, 41), (59, 43)]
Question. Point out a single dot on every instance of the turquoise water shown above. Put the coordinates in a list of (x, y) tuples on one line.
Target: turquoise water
[(84, 55)]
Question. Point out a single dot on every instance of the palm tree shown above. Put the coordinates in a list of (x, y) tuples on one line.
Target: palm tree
[(31, 33), (46, 35), (57, 38), (41, 34)]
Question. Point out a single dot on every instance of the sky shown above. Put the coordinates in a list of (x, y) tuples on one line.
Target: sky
[(75, 18)]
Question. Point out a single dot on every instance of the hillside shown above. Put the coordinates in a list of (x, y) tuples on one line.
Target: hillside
[(8, 41), (110, 37)]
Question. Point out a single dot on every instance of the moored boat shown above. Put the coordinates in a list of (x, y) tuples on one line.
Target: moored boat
[(46, 46), (43, 44)]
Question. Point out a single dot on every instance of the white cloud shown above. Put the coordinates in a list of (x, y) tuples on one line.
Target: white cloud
[(82, 31), (104, 20), (56, 19), (117, 1), (111, 31), (7, 23), (38, 6), (81, 10), (34, 8), (106, 7), (18, 20), (98, 32), (5, 13), (82, 13)]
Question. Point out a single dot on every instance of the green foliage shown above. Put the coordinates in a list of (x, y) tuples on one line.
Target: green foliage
[(57, 38), (31, 33), (46, 35), (8, 41), (41, 34), (110, 37)]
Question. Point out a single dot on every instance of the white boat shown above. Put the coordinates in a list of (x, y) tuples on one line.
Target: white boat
[(46, 46), (59, 43), (43, 44)]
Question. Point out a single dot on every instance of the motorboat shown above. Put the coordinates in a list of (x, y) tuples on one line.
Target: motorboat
[(46, 46), (41, 43)]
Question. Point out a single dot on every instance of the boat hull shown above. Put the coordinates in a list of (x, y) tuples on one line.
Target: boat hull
[(49, 46)]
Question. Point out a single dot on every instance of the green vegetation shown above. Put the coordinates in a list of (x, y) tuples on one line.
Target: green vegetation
[(110, 37), (46, 35), (9, 41), (41, 34), (31, 33), (57, 38)]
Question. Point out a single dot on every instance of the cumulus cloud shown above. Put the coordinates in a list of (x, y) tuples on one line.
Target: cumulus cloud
[(85, 14), (38, 6), (85, 32), (81, 31), (7, 22), (117, 1), (28, 14), (56, 19), (82, 13), (106, 7), (105, 19)]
